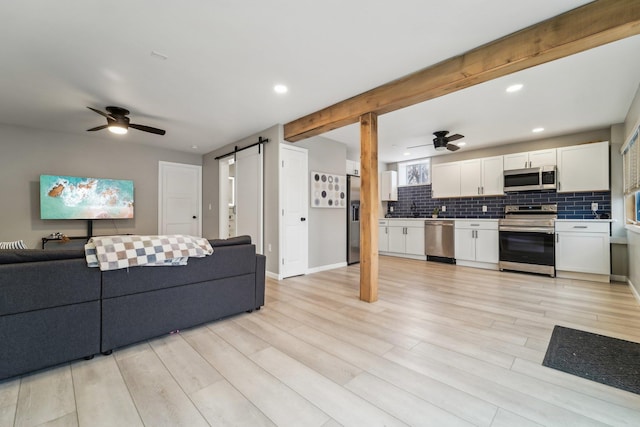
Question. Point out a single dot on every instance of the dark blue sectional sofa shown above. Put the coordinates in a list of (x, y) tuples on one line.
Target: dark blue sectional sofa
[(54, 309)]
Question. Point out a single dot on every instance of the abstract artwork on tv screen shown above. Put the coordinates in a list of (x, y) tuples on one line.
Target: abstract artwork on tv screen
[(70, 197)]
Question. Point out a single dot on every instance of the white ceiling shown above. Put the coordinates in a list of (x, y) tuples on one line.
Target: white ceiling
[(225, 56)]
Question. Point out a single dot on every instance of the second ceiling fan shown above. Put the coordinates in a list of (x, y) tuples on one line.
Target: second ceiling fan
[(442, 141)]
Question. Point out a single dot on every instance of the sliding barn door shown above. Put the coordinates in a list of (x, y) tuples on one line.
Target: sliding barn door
[(249, 191)]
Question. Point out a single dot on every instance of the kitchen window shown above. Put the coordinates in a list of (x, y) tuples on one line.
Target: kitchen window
[(631, 170), (417, 172)]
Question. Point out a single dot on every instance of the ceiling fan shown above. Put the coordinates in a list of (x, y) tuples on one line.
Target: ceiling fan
[(441, 141), (118, 122)]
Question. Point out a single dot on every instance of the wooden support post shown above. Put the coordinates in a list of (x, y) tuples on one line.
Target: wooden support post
[(369, 207)]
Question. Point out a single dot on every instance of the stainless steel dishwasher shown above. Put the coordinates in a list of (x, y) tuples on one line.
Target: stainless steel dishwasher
[(439, 242)]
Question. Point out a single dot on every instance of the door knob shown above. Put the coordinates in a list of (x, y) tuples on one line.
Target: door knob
[(303, 219)]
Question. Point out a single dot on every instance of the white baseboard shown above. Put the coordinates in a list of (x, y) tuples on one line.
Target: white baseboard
[(634, 290), (279, 277), (326, 267), (618, 278), (272, 275)]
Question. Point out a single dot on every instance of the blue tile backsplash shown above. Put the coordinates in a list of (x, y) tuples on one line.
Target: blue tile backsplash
[(416, 201)]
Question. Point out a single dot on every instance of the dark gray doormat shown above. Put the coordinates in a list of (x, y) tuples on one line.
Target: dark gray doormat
[(607, 360)]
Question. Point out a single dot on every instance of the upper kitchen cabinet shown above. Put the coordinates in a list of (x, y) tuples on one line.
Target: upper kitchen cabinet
[(583, 168), (530, 159), (468, 178), (389, 186), (353, 167), (445, 180)]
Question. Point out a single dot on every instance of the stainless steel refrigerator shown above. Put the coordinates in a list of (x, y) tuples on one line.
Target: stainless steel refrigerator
[(353, 219)]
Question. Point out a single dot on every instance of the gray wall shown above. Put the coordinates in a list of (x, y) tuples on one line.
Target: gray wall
[(210, 191), (25, 154), (327, 227)]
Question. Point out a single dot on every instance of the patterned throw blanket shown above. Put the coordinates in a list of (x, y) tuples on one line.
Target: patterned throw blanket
[(115, 252)]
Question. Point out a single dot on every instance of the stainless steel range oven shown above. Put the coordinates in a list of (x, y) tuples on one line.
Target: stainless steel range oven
[(527, 239)]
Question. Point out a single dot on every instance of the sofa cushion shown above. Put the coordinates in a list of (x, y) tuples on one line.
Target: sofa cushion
[(231, 241), (18, 244), (226, 261), (15, 256), (30, 286)]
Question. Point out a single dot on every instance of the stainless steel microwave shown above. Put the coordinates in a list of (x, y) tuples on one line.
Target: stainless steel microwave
[(538, 178)]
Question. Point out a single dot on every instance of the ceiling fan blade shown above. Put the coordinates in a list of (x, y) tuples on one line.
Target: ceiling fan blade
[(102, 113), (452, 147), (98, 128), (455, 137), (147, 129), (417, 146)]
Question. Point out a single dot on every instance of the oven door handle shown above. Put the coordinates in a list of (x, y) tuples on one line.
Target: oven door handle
[(527, 229)]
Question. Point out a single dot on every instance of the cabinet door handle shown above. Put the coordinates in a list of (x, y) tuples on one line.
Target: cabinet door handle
[(579, 226), (557, 238), (559, 186)]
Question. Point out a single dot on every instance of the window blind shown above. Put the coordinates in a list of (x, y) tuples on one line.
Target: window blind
[(631, 165)]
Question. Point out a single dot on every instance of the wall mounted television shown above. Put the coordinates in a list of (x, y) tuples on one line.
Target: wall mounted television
[(71, 197)]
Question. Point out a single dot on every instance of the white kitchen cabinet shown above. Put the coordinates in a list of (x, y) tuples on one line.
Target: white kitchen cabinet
[(492, 183), (403, 237), (388, 186), (583, 168), (353, 167), (468, 178), (530, 159), (445, 180), (383, 235), (582, 250), (476, 243)]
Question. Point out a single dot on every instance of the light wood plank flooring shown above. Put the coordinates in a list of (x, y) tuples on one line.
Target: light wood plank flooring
[(444, 346)]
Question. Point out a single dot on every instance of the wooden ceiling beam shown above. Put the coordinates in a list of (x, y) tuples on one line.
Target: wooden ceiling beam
[(586, 27)]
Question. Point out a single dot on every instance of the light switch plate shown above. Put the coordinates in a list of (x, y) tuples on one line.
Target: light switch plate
[(484, 208), (594, 206), (444, 209)]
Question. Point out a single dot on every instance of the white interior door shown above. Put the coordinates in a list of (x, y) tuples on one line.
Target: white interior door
[(249, 190), (226, 202), (294, 206), (179, 199)]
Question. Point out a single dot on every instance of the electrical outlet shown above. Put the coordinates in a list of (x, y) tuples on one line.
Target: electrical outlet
[(390, 208), (269, 247), (444, 209), (484, 208), (594, 206)]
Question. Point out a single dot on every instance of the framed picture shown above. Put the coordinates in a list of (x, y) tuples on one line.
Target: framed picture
[(328, 190)]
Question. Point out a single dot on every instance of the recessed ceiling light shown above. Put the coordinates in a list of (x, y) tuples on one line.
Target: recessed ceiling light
[(514, 88), (195, 147), (461, 144), (280, 89), (537, 130), (406, 153)]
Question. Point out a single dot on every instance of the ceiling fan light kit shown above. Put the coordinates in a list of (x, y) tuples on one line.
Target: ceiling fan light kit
[(118, 122), (442, 142)]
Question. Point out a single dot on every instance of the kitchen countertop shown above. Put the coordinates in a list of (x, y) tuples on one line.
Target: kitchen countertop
[(440, 219), (585, 220)]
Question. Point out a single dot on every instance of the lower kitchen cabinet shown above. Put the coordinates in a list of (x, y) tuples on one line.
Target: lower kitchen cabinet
[(383, 235), (582, 250), (401, 238), (477, 243)]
